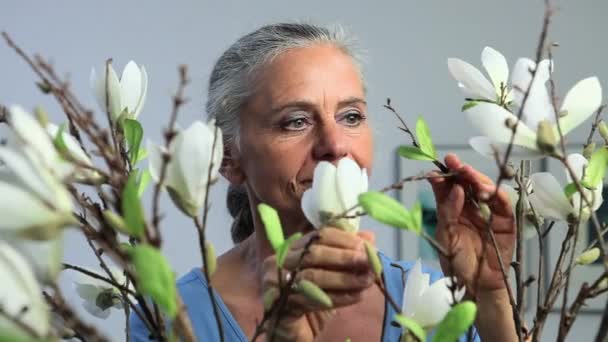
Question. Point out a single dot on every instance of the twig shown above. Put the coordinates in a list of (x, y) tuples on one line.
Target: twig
[(98, 277), (596, 122), (58, 303), (169, 134)]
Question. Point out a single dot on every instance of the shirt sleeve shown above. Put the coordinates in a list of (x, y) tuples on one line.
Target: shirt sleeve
[(137, 329)]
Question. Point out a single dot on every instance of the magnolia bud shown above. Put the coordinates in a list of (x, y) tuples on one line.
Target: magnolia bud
[(510, 123), (603, 130), (115, 221), (545, 138), (484, 211), (210, 258), (314, 293), (269, 297), (373, 259), (588, 150), (508, 172), (42, 116), (588, 257)]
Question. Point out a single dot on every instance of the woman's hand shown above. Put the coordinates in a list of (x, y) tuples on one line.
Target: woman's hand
[(463, 230), (337, 263)]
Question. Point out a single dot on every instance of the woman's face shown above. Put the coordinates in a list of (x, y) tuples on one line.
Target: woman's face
[(308, 106)]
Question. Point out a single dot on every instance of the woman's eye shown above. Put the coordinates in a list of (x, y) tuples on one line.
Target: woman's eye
[(353, 119), (296, 124)]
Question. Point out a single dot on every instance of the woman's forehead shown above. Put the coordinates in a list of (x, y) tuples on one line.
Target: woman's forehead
[(310, 74)]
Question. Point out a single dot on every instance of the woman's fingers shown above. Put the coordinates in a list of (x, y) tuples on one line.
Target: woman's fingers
[(330, 236), (327, 257)]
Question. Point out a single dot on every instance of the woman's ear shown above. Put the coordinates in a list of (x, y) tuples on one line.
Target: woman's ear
[(231, 167)]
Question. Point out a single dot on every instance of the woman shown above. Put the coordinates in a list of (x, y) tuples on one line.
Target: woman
[(286, 97)]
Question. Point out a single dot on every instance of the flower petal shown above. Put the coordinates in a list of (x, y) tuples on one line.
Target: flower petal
[(434, 303), (71, 143), (193, 159), (20, 290), (130, 87), (496, 66), (96, 311), (489, 119), (88, 292), (144, 91), (154, 160), (98, 85), (548, 198), (31, 132), (580, 102), (415, 285), (326, 189), (538, 104), (45, 257), (14, 217), (348, 178), (23, 170), (472, 80), (484, 146), (310, 208)]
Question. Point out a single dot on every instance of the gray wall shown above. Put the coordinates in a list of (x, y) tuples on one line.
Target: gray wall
[(407, 43)]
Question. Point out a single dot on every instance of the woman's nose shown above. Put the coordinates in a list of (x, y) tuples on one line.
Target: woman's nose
[(331, 144)]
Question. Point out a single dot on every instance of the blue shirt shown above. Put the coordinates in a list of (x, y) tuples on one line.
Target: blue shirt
[(193, 289)]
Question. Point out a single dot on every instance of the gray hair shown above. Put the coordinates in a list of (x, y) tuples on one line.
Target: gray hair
[(231, 82)]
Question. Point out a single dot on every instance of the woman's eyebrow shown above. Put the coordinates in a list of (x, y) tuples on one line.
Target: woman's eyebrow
[(351, 101), (306, 104)]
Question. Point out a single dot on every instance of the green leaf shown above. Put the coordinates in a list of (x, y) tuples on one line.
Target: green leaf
[(596, 169), (144, 180), (457, 321), (155, 277), (570, 189), (59, 143), (424, 138), (272, 224), (133, 134), (282, 252), (468, 105), (115, 221), (141, 155), (413, 152), (416, 213), (388, 211), (411, 326), (132, 210)]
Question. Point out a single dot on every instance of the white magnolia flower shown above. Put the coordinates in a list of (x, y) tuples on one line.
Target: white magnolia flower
[(21, 291), (549, 198), (581, 101), (127, 94), (529, 230), (34, 201), (474, 84), (188, 170), (99, 296), (334, 191), (427, 303)]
